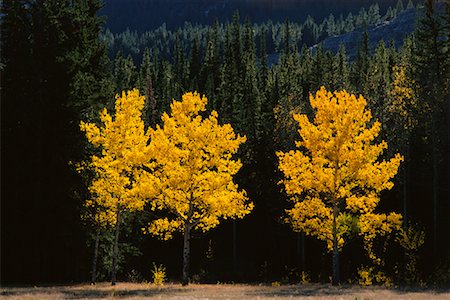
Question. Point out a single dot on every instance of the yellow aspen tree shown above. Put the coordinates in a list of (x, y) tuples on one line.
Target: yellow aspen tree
[(335, 176), (190, 172), (122, 142)]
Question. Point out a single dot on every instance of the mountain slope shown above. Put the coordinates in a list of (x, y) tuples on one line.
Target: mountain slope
[(395, 30), (142, 15)]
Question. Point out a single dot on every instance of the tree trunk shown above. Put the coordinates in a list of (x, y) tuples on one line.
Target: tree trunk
[(115, 249), (335, 279), (186, 252), (435, 192), (301, 250), (234, 249), (406, 170), (94, 259), (405, 190)]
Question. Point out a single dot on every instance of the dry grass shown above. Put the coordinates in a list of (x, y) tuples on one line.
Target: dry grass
[(219, 291)]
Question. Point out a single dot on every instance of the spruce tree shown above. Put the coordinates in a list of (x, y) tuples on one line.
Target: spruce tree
[(378, 81), (210, 72), (341, 72), (194, 66), (125, 73), (410, 5), (55, 71), (399, 7), (349, 23), (251, 105), (361, 65), (373, 14), (179, 66), (145, 84), (432, 76), (331, 26), (227, 90)]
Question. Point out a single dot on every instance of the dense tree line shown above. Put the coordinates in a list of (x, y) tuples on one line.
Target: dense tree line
[(309, 32), (144, 15), (56, 72)]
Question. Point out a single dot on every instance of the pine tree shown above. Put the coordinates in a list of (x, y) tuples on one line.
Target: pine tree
[(373, 14), (87, 61), (124, 72), (390, 14), (331, 26), (263, 61), (410, 5), (432, 76), (361, 65), (377, 85), (349, 23), (179, 66), (362, 18), (209, 70), (399, 7), (146, 77), (251, 105), (400, 110), (55, 70), (210, 73), (319, 68), (306, 69), (286, 37), (266, 117), (194, 66), (228, 82), (341, 72), (232, 69)]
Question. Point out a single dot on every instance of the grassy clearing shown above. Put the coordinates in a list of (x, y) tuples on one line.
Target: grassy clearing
[(219, 291)]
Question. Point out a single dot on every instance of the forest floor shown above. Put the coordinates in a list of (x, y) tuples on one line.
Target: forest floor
[(219, 291)]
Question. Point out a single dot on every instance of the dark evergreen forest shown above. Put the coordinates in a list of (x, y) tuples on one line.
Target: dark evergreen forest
[(61, 64), (143, 15)]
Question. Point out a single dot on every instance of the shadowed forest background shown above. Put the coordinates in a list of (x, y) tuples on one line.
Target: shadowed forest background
[(257, 62)]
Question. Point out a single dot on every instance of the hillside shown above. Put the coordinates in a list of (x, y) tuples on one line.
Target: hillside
[(394, 30), (142, 15), (388, 31)]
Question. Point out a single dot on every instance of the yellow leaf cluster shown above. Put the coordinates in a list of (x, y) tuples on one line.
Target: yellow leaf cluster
[(313, 217), (373, 225), (123, 143), (369, 275), (336, 166), (402, 100), (411, 239), (190, 169)]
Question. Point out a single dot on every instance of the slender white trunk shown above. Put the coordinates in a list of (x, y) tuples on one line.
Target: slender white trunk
[(94, 259), (115, 250), (186, 252)]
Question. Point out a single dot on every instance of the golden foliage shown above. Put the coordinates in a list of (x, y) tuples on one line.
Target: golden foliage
[(190, 169), (123, 142), (159, 274), (402, 105), (411, 240), (337, 166), (368, 276)]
